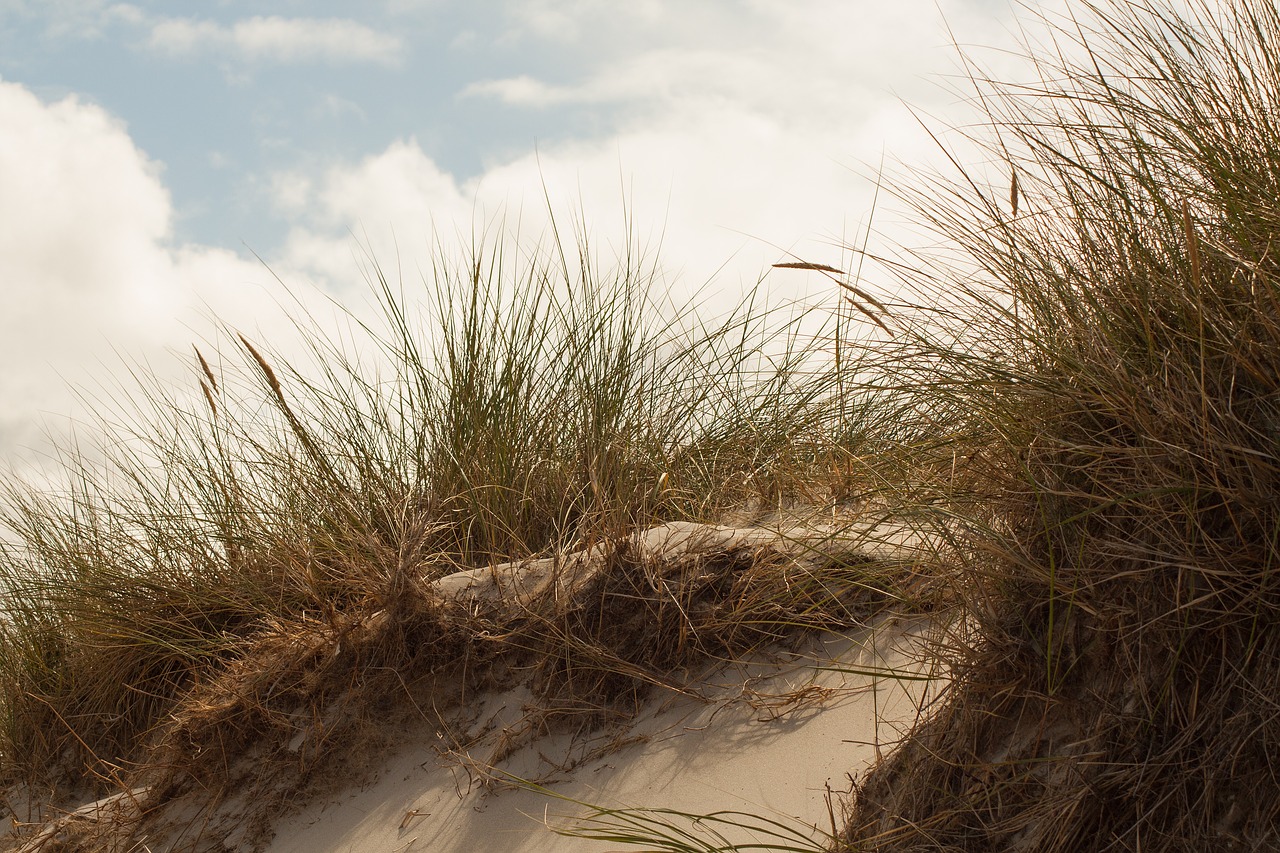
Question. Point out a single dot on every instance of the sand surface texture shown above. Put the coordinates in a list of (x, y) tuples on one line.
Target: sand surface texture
[(769, 737)]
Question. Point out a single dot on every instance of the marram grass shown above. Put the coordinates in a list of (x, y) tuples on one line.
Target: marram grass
[(520, 404), (1109, 367)]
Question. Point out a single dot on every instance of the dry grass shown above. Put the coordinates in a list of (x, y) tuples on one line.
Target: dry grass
[(1114, 390), (310, 704), (246, 584)]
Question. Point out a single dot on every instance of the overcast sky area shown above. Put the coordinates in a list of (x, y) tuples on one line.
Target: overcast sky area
[(148, 152)]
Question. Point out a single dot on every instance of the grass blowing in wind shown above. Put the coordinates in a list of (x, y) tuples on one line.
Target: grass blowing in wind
[(1109, 365), (193, 592)]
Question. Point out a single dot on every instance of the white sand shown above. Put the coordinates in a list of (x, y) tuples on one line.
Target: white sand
[(742, 751)]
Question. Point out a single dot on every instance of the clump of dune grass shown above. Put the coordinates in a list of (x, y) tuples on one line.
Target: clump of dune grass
[(1102, 350), (234, 562)]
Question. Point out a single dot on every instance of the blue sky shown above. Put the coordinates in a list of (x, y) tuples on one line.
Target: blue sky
[(240, 91), (148, 150)]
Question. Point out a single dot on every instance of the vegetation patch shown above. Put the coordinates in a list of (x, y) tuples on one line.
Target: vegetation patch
[(1118, 373), (265, 577)]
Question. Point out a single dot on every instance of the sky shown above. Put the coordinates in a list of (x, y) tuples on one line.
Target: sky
[(162, 164)]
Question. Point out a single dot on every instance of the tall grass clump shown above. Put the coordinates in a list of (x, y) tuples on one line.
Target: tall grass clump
[(1102, 351), (521, 403)]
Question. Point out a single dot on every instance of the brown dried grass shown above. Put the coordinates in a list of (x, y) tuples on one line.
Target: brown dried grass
[(1114, 393)]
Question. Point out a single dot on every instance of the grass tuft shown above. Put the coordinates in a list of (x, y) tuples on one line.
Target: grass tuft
[(1106, 362), (249, 572)]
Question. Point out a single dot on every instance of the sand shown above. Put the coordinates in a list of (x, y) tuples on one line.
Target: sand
[(772, 737)]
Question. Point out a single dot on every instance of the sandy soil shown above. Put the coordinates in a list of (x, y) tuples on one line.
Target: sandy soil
[(769, 737)]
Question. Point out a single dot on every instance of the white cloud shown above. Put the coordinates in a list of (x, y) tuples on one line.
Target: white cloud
[(86, 19), (280, 40), (700, 189), (88, 269), (394, 199), (182, 36), (523, 90), (336, 107), (819, 57), (739, 133)]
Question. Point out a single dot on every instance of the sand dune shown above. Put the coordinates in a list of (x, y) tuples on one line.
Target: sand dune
[(777, 734), (767, 737)]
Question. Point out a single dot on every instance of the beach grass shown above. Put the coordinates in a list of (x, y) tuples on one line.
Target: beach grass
[(1101, 337), (204, 562)]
